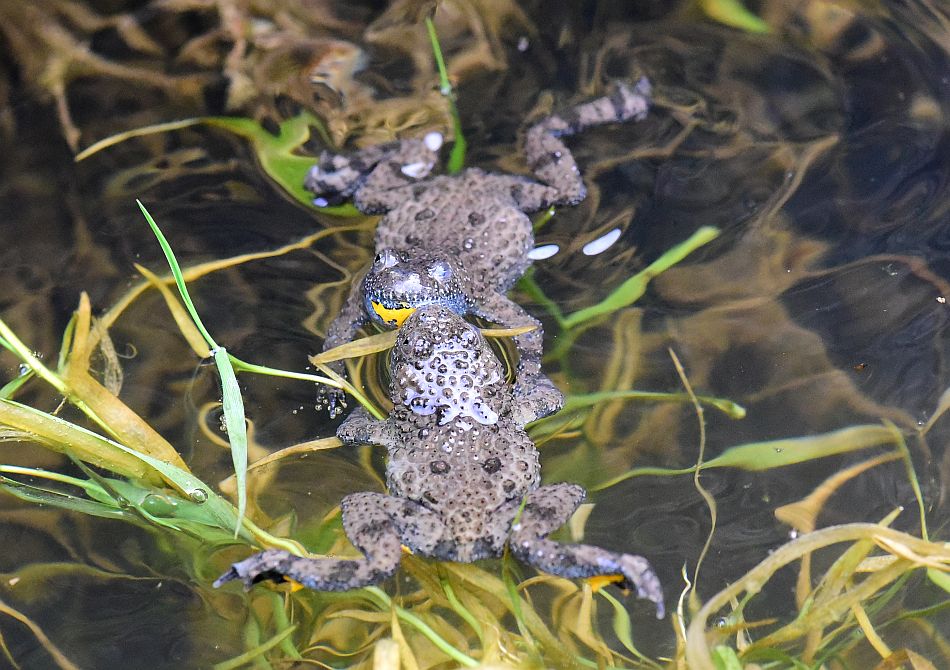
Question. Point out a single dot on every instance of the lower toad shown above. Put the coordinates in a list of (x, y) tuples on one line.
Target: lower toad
[(463, 475)]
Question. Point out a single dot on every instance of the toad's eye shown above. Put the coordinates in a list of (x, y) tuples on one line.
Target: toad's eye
[(440, 271), (385, 259)]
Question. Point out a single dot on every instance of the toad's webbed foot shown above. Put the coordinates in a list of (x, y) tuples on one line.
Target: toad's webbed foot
[(548, 508), (314, 573), (361, 428), (336, 177), (551, 160), (331, 399), (376, 524), (370, 175), (535, 398)]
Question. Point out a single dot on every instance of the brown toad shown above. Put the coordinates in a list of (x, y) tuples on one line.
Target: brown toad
[(463, 475), (461, 241)]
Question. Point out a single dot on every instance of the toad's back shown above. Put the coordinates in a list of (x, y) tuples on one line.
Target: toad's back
[(472, 215)]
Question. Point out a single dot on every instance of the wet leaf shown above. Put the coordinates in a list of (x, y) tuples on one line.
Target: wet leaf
[(11, 387), (228, 485), (941, 579), (870, 634), (356, 348), (779, 453), (901, 658), (577, 401), (179, 279), (621, 625), (59, 435), (457, 156), (372, 344), (277, 154), (126, 426), (235, 424), (44, 496), (406, 656), (725, 658), (757, 456), (386, 654), (802, 515), (256, 652)]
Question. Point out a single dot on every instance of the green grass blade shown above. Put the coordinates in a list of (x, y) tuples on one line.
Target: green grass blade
[(725, 658), (179, 279), (757, 456), (237, 429), (582, 400), (941, 579), (460, 145), (779, 453), (621, 625), (734, 14), (11, 387), (631, 290), (251, 654)]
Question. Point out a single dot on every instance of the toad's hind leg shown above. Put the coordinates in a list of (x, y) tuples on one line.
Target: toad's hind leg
[(375, 523), (551, 160), (545, 510)]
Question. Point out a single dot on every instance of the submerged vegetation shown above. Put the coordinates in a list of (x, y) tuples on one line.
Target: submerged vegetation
[(461, 613), (866, 595)]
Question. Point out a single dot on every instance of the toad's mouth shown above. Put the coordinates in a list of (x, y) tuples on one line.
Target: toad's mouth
[(393, 316)]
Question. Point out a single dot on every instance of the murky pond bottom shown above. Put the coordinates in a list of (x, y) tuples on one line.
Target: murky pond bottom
[(818, 150)]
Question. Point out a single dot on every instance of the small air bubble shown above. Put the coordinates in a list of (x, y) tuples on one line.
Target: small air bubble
[(198, 495)]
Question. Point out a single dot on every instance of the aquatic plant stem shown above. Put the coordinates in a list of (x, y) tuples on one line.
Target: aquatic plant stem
[(459, 608), (706, 495), (697, 642), (460, 146), (385, 602), (255, 653)]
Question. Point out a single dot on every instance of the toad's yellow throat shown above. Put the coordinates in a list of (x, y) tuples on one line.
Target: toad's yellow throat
[(393, 316)]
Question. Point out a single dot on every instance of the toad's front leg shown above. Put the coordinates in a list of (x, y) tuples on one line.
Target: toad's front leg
[(547, 509), (375, 523)]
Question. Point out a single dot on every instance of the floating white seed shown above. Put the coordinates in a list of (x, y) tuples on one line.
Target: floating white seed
[(544, 251), (602, 243)]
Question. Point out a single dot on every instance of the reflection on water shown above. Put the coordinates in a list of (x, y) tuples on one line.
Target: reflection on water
[(820, 151)]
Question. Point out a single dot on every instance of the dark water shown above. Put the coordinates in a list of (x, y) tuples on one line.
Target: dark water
[(820, 151)]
